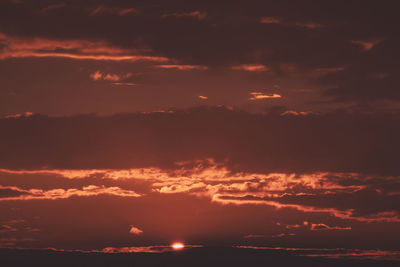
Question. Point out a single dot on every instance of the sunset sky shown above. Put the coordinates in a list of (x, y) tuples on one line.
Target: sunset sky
[(126, 126)]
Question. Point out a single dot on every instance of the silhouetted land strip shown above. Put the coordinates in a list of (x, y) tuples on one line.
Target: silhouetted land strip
[(210, 256)]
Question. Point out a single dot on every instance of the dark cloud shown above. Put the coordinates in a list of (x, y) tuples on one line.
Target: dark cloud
[(309, 36), (9, 192), (334, 142), (224, 37), (373, 77)]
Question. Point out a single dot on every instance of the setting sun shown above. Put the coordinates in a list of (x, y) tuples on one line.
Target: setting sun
[(177, 246)]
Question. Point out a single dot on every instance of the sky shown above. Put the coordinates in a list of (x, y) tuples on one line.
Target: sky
[(127, 126)]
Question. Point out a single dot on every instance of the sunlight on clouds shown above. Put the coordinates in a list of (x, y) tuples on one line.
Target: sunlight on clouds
[(135, 231), (251, 67), (17, 47), (208, 179), (260, 95), (86, 191)]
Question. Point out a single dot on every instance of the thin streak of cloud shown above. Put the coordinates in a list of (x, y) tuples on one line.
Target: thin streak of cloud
[(260, 95), (118, 11), (70, 49), (309, 25), (365, 45), (322, 226), (337, 253), (182, 67), (199, 15), (53, 7), (270, 20), (251, 67), (19, 115), (124, 84)]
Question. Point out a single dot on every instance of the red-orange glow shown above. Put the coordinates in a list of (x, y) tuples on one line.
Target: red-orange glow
[(366, 45), (182, 67), (260, 95), (178, 246), (72, 49), (250, 67)]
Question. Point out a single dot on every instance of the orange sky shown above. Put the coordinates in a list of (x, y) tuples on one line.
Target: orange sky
[(127, 126)]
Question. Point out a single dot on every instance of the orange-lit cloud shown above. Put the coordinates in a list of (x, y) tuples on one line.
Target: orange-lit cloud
[(270, 20), (278, 20), (147, 249), (260, 95), (322, 226), (253, 236), (135, 231), (17, 226), (283, 235), (365, 45), (343, 214), (214, 181), (86, 191), (124, 84), (251, 67), (295, 113), (202, 97), (71, 49), (119, 11), (199, 15), (182, 67), (70, 174), (138, 249), (98, 75), (293, 226), (112, 77), (26, 114)]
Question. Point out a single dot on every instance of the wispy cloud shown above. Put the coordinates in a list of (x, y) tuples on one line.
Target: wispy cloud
[(53, 7), (365, 45), (182, 67), (199, 15), (118, 11), (295, 113), (322, 226), (19, 115)]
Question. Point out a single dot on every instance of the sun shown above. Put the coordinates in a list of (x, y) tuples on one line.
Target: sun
[(177, 246)]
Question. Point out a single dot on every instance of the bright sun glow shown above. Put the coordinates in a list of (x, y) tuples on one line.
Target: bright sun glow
[(177, 246)]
